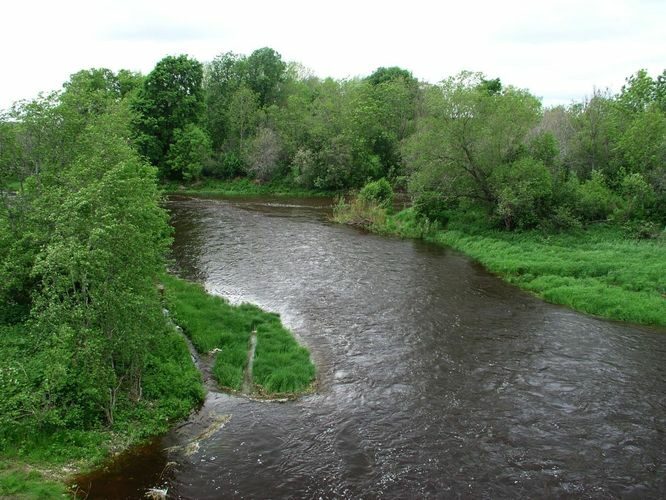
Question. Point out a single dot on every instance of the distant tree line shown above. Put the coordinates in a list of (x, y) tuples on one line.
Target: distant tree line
[(466, 143)]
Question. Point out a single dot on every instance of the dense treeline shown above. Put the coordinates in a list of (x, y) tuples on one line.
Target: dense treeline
[(467, 143), (82, 242)]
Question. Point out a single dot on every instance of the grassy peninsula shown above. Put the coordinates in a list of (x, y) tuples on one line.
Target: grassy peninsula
[(37, 458), (281, 367)]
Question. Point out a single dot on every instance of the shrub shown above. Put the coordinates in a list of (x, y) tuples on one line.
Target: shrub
[(563, 218), (595, 200), (641, 229), (638, 195), (523, 189), (378, 192), (432, 206), (225, 166)]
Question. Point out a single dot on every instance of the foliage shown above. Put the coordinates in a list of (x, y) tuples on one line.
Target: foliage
[(82, 337), (265, 72), (378, 192), (432, 206), (190, 151), (264, 155), (242, 117), (245, 187), (465, 134), (596, 201), (523, 192), (358, 212), (170, 98)]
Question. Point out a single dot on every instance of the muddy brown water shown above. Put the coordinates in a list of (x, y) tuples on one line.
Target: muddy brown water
[(436, 379)]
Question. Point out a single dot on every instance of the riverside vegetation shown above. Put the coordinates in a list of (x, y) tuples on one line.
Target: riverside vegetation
[(281, 366), (599, 271), (569, 202)]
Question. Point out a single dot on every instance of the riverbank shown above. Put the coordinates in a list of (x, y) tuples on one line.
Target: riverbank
[(280, 367), (38, 458), (241, 187), (38, 462), (597, 271)]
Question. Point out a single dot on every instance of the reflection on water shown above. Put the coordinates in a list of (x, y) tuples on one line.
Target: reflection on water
[(435, 378)]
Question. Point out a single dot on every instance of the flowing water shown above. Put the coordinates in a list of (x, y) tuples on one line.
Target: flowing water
[(435, 379)]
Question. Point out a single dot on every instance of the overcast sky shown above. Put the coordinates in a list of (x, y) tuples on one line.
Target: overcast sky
[(559, 50)]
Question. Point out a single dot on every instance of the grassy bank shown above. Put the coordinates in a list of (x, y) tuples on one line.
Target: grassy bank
[(37, 457), (241, 187), (281, 365), (598, 271)]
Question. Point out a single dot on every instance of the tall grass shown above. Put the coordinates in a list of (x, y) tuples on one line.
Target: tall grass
[(281, 365)]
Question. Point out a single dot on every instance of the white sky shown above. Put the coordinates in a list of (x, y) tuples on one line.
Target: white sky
[(559, 50)]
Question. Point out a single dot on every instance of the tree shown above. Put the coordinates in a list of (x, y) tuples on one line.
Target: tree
[(80, 250), (465, 134), (393, 73), (265, 73), (243, 117), (171, 98), (223, 76), (264, 154), (523, 190), (103, 240), (190, 151)]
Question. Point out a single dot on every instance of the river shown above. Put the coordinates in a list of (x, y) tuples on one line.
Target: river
[(435, 378)]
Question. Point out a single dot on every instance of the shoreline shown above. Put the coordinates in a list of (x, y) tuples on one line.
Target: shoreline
[(596, 271), (48, 475)]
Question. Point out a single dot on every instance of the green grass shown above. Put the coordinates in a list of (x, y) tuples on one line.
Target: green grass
[(241, 187), (281, 365), (598, 271), (21, 482)]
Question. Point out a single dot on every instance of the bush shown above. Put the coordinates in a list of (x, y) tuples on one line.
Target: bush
[(563, 219), (524, 191), (642, 229), (432, 206), (225, 166), (595, 200), (639, 197), (378, 192)]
